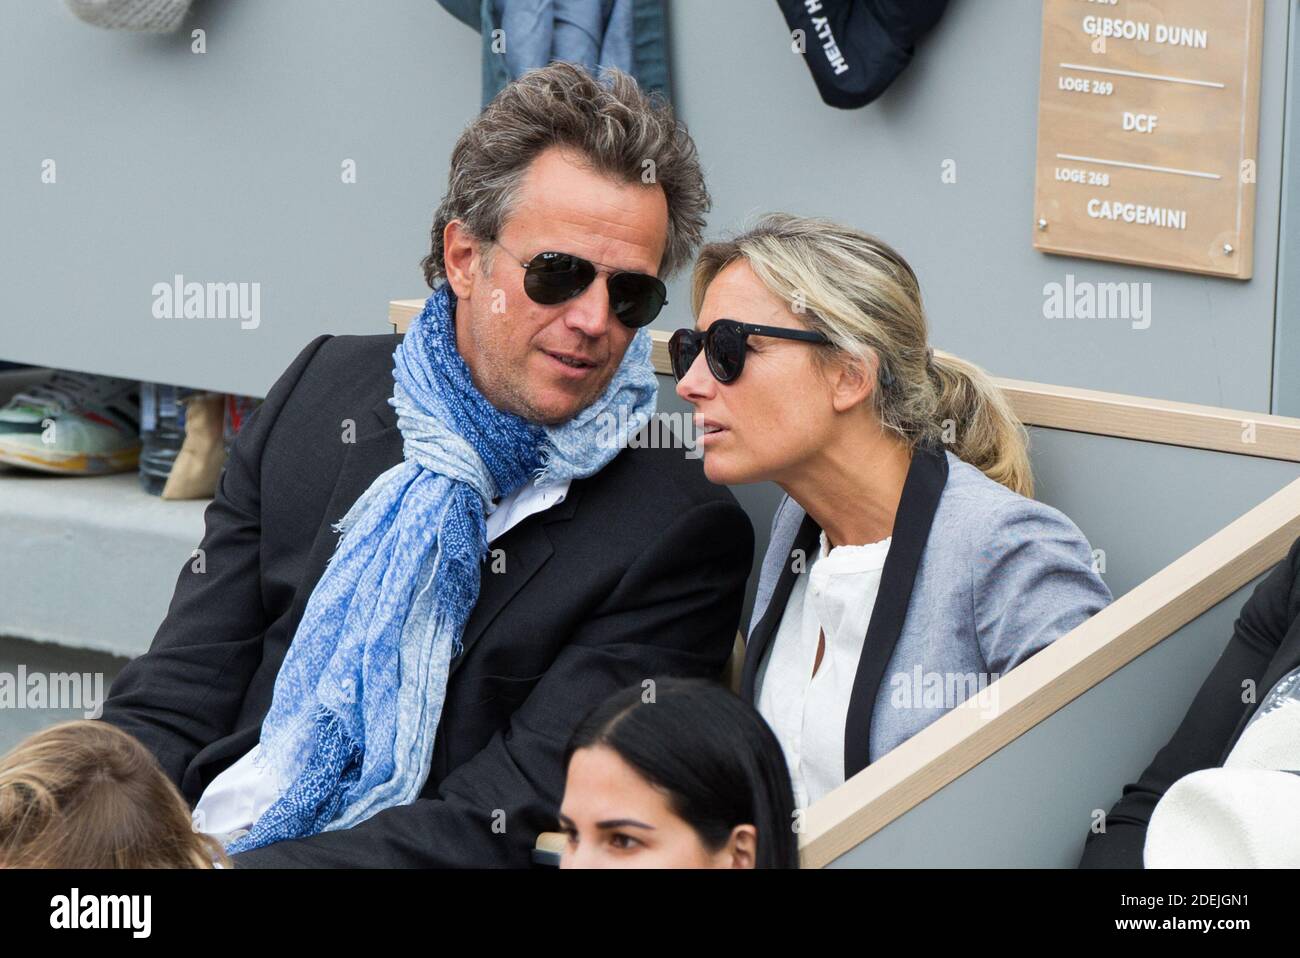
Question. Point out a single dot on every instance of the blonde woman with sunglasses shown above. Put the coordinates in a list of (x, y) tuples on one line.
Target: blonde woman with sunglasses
[(908, 566)]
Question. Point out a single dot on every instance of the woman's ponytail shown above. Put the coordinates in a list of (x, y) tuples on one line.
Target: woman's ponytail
[(977, 424)]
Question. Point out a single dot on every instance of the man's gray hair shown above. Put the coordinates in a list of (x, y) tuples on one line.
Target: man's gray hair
[(623, 133)]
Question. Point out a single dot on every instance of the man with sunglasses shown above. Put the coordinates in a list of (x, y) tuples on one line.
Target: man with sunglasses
[(547, 256)]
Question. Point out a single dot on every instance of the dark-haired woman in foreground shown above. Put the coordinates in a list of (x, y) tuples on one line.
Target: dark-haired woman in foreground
[(678, 773)]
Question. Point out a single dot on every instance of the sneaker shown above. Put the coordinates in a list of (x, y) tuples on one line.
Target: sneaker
[(74, 424)]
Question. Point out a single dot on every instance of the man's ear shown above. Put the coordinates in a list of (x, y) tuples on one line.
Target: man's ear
[(461, 258), (852, 381)]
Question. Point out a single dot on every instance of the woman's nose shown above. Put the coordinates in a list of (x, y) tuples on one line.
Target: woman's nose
[(698, 383), (579, 856)]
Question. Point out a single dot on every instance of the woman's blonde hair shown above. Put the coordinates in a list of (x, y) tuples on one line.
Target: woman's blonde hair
[(85, 794), (863, 296)]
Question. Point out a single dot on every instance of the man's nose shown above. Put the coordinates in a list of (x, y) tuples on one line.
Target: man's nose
[(589, 311)]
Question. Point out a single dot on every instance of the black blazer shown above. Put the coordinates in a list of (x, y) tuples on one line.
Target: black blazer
[(1265, 646), (639, 572)]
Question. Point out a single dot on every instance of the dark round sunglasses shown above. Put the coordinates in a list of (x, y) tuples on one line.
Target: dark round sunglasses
[(725, 346), (552, 278)]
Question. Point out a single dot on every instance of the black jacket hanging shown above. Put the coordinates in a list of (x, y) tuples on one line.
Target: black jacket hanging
[(855, 48)]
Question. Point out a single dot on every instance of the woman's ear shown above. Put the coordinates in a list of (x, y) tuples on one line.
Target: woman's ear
[(852, 381), (460, 251), (741, 850)]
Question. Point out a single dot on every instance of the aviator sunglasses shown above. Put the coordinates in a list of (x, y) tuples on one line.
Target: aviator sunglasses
[(552, 278), (725, 346)]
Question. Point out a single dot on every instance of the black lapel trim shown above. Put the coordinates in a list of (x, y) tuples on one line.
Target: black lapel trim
[(922, 489), (807, 540), (363, 462)]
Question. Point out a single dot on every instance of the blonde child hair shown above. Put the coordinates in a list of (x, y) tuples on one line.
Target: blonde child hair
[(85, 794)]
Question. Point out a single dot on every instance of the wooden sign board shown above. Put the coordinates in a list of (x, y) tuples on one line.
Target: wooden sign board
[(1148, 123)]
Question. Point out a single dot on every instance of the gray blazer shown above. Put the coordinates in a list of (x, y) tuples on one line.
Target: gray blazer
[(977, 579)]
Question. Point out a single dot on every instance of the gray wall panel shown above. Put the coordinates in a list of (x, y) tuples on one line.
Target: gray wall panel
[(1286, 355), (971, 96), (225, 167), (1146, 504)]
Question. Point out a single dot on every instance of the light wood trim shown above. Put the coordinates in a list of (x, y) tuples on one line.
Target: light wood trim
[(1154, 420), (1051, 679), (402, 311), (1084, 410), (551, 842)]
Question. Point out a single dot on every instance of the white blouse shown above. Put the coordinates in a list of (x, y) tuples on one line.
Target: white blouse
[(808, 712)]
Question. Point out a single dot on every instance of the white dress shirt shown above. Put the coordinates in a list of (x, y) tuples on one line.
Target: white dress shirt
[(808, 712), (237, 797)]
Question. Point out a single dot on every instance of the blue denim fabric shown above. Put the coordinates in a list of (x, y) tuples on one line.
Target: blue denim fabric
[(628, 34)]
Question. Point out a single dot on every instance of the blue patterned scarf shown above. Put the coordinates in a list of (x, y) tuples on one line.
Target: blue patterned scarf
[(358, 697)]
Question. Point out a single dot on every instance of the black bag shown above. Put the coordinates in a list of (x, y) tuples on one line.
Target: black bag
[(855, 48)]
